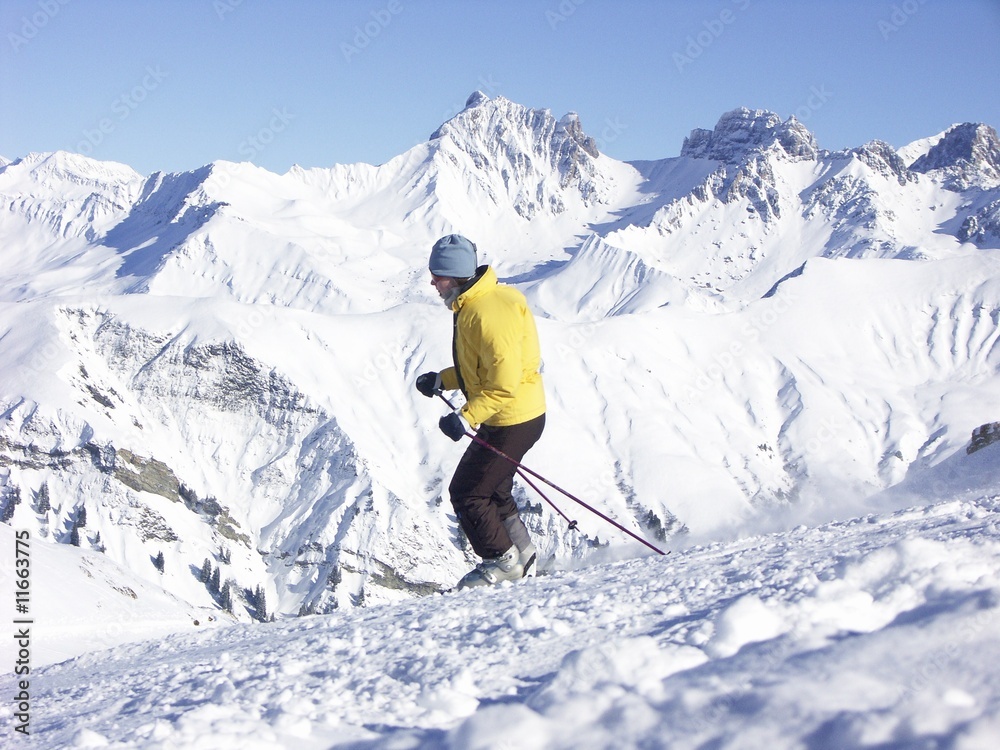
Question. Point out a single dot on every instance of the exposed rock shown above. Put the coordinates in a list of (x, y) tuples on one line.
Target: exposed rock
[(742, 131), (523, 149), (146, 475), (983, 227), (882, 158), (982, 436), (967, 156)]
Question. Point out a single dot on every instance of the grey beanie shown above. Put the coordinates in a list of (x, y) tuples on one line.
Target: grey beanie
[(455, 256)]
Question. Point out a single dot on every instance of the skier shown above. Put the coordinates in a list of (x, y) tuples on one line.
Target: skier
[(497, 364)]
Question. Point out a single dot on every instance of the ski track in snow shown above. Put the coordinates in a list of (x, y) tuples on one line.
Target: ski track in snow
[(871, 632)]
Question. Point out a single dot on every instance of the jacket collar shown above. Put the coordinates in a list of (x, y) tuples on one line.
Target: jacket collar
[(484, 280)]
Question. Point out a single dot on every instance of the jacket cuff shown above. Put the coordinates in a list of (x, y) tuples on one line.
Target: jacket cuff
[(449, 380), (464, 413)]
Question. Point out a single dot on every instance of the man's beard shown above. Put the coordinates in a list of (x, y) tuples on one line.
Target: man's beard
[(451, 296)]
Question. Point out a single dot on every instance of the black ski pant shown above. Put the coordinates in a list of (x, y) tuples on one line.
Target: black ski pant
[(483, 482)]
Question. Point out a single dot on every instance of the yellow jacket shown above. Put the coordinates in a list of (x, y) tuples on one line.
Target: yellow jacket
[(496, 353)]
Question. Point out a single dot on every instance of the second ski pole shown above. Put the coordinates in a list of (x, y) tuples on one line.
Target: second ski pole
[(522, 468)]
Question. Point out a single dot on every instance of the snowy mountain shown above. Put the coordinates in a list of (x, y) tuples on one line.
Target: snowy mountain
[(967, 155), (218, 365)]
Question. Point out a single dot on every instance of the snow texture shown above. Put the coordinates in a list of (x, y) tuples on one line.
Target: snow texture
[(877, 631)]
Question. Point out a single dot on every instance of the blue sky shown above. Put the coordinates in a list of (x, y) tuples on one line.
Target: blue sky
[(175, 85)]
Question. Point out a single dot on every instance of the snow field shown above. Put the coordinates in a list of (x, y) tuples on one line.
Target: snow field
[(862, 633)]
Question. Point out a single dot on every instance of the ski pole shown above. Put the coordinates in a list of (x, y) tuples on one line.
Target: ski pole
[(538, 476), (571, 522), (571, 496)]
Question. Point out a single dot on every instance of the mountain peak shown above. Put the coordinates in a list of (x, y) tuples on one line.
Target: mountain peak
[(63, 166), (483, 113), (533, 155), (884, 159), (475, 99), (742, 131), (570, 124), (967, 155)]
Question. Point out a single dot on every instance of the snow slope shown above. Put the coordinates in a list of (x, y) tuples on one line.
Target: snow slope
[(876, 631), (83, 601)]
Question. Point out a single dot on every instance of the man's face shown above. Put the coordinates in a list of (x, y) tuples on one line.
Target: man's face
[(443, 284)]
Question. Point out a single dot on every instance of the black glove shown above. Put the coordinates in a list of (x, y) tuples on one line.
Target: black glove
[(453, 426), (429, 383)]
